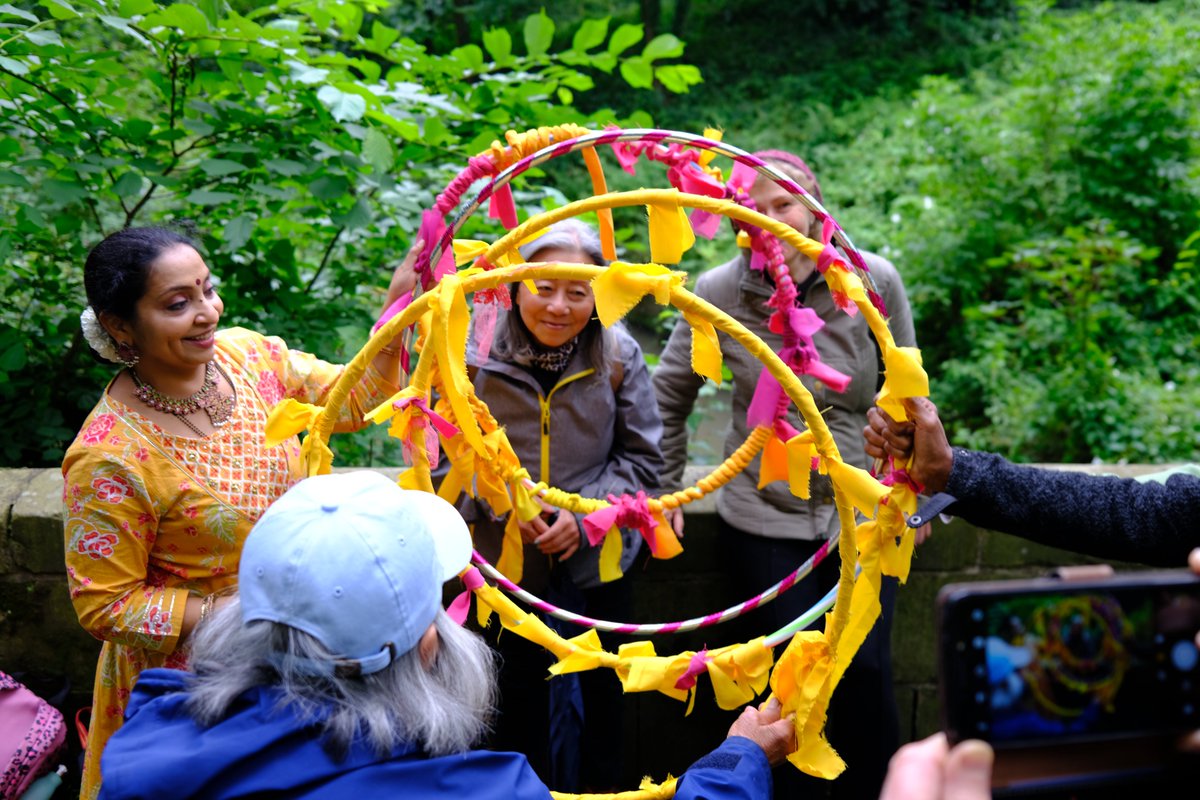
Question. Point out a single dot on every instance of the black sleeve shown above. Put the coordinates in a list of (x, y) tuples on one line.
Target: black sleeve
[(1101, 516)]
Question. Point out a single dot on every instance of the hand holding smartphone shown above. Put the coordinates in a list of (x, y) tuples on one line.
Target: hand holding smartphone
[(1073, 682)]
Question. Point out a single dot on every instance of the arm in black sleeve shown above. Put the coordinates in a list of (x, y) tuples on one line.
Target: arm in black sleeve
[(1102, 516)]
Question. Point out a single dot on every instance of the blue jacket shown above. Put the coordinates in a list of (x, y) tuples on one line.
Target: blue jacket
[(264, 750)]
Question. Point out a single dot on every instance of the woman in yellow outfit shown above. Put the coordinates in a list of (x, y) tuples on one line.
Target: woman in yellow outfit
[(172, 468)]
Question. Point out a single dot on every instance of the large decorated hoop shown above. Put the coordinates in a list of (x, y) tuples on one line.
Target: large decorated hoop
[(811, 666)]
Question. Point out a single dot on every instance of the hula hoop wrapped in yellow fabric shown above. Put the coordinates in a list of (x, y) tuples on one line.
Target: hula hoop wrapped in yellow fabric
[(812, 664)]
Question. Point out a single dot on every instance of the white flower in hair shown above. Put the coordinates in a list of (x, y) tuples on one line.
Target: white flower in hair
[(97, 337)]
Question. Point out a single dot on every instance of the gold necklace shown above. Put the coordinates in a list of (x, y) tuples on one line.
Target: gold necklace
[(219, 407)]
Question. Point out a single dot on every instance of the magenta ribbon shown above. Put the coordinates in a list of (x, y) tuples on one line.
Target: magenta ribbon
[(623, 512), (431, 231), (828, 253), (458, 609), (696, 665), (399, 304), (502, 207), (899, 475), (444, 426)]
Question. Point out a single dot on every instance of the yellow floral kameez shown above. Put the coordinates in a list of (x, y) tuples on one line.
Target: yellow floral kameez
[(152, 517)]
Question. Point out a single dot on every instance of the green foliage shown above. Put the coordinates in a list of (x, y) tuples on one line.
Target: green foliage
[(1039, 211), (303, 137)]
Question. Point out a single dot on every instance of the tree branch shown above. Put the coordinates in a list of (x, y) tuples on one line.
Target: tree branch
[(325, 259)]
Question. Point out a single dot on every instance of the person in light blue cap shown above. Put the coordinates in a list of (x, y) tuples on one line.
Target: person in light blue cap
[(336, 673)]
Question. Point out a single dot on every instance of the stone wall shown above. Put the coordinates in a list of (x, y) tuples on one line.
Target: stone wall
[(40, 636)]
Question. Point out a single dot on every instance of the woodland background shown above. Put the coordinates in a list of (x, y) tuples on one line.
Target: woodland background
[(1032, 168)]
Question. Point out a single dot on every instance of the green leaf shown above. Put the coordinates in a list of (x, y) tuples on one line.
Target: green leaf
[(60, 9), (470, 56), (136, 129), (187, 19), (435, 131), (128, 184), (31, 215), (12, 179), (565, 96), (123, 25), (205, 197), (44, 38), (68, 223), (275, 192), (359, 216), (306, 73), (382, 37), (217, 167), (286, 167), (131, 8), (61, 191), (377, 151), (624, 38), (14, 66), (678, 77), (13, 358), (637, 72), (578, 81), (238, 231), (663, 46), (329, 187), (16, 12), (539, 34), (343, 106), (211, 10), (498, 43), (200, 127), (590, 34)]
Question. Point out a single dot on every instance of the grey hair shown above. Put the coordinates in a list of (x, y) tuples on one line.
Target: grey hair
[(567, 234), (441, 710), (513, 341)]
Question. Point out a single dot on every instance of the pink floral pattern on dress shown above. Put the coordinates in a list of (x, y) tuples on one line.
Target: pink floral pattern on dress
[(98, 430), (96, 545), (157, 624), (112, 489), (270, 388)]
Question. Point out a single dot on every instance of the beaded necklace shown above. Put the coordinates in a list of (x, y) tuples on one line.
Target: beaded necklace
[(219, 407)]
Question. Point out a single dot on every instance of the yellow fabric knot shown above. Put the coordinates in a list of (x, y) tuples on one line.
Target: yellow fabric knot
[(706, 348), (288, 418), (619, 288), (856, 485), (803, 681), (586, 652), (740, 672), (903, 376), (792, 460), (671, 233)]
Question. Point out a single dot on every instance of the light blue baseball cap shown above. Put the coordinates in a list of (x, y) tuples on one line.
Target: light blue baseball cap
[(354, 561)]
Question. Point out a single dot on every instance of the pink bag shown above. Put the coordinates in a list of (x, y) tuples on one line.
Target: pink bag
[(33, 737)]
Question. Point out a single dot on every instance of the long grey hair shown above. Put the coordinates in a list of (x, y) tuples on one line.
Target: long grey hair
[(513, 340), (441, 710)]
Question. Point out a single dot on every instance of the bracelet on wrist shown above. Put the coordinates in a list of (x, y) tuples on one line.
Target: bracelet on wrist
[(206, 607)]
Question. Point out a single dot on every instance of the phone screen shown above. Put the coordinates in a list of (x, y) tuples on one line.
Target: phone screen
[(1071, 664)]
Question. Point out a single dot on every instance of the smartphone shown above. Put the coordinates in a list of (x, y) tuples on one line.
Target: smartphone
[(1074, 682)]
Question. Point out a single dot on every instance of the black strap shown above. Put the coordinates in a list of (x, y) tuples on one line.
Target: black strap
[(933, 506)]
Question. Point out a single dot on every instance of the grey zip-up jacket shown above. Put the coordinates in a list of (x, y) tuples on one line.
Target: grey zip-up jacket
[(845, 343), (581, 437)]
